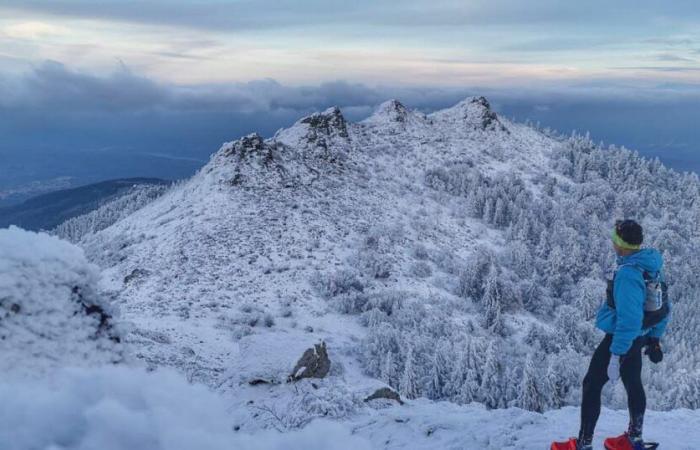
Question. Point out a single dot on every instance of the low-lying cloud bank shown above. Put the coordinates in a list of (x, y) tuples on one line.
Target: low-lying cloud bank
[(54, 109)]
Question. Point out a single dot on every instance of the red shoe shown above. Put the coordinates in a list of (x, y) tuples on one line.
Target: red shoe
[(624, 443), (568, 445)]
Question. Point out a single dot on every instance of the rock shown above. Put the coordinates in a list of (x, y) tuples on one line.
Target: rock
[(386, 393), (328, 123), (135, 274), (314, 363), (258, 381)]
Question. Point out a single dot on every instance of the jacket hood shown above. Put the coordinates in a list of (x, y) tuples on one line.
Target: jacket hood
[(648, 259)]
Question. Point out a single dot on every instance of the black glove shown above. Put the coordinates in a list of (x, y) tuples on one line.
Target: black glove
[(654, 350)]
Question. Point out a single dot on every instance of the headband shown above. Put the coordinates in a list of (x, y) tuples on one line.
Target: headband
[(621, 242)]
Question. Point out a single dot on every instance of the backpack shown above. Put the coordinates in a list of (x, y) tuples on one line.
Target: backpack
[(656, 305)]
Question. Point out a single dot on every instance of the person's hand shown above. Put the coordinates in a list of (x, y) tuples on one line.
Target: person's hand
[(614, 368), (653, 350)]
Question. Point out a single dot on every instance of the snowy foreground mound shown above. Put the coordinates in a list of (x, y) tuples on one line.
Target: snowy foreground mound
[(115, 408), (50, 312)]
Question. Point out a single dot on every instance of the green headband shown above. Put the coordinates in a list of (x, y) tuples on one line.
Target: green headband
[(621, 243)]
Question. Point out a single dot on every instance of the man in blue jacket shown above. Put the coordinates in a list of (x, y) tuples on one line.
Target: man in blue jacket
[(619, 355)]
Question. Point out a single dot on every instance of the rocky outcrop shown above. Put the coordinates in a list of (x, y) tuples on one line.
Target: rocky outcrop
[(385, 393), (314, 363), (474, 113), (252, 162), (392, 110), (328, 123), (321, 140)]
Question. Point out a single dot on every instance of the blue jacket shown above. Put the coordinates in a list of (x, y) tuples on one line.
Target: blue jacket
[(625, 321)]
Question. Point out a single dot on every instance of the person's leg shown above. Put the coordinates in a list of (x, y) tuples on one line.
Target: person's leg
[(631, 374), (593, 383)]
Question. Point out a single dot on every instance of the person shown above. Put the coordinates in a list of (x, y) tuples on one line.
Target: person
[(628, 329)]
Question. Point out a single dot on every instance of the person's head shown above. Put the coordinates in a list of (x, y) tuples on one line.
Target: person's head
[(627, 237)]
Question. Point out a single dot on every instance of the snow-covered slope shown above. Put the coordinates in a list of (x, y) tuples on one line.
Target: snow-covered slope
[(245, 238), (424, 250)]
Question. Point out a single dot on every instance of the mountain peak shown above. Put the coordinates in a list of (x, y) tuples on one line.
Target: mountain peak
[(394, 109), (321, 137), (249, 161), (475, 112), (330, 122), (394, 116)]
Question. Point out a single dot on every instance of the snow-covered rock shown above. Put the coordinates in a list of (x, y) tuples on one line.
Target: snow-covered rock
[(473, 113), (51, 313)]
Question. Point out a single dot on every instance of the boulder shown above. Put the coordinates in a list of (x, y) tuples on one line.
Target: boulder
[(314, 363)]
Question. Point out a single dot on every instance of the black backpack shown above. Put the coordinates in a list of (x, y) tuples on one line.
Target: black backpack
[(656, 306)]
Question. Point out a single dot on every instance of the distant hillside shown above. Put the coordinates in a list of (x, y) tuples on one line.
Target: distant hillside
[(47, 211)]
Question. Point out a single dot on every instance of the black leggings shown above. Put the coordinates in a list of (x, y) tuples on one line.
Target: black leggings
[(597, 376)]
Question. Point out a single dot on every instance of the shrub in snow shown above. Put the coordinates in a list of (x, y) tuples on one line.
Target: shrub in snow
[(343, 289), (374, 264), (331, 284), (421, 270), (311, 400), (50, 312), (420, 252)]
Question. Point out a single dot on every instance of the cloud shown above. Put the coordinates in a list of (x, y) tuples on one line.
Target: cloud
[(661, 68), (104, 126), (50, 85), (672, 57), (54, 89), (33, 30), (558, 44), (670, 41), (273, 14)]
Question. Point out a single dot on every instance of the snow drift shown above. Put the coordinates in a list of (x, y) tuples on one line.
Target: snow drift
[(50, 311), (118, 408)]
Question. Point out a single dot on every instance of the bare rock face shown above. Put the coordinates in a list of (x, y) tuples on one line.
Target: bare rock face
[(314, 363), (321, 140), (253, 163), (386, 393), (328, 123)]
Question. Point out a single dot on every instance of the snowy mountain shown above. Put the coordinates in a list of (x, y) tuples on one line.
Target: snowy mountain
[(451, 256)]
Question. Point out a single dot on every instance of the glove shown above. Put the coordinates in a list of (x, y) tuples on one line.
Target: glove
[(653, 350), (614, 367)]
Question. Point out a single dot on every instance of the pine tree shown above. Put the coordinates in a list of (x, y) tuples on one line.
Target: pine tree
[(491, 393), (530, 397), (388, 370), (433, 388), (493, 318), (408, 386)]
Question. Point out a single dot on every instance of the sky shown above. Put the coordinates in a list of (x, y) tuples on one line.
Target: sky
[(97, 89)]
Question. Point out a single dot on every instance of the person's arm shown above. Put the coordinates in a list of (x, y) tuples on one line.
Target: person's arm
[(629, 291)]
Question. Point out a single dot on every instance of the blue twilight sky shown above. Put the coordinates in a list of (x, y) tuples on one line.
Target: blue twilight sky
[(96, 89)]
